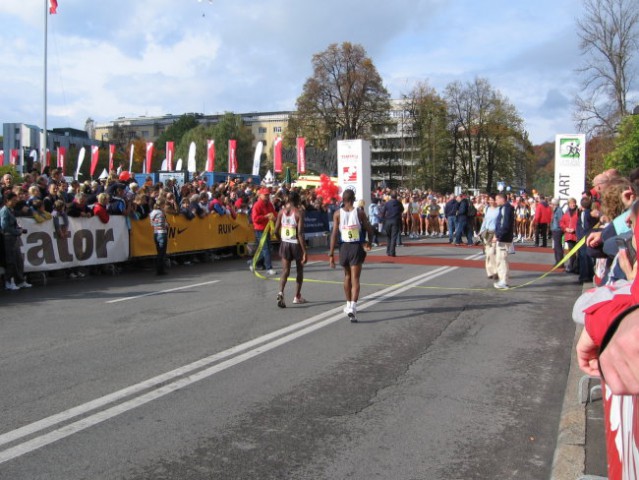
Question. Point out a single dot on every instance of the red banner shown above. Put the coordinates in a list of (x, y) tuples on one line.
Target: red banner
[(170, 153), (48, 157), (95, 155), (277, 155), (232, 156), (301, 155), (149, 157), (13, 157), (1, 157), (210, 155), (111, 155), (53, 6), (62, 153)]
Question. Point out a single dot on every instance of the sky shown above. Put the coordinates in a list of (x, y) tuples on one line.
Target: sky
[(127, 58)]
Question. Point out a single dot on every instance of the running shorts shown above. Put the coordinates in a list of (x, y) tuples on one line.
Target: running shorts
[(291, 251), (351, 254)]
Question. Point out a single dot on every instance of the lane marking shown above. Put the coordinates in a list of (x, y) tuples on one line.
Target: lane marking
[(303, 328), (124, 299)]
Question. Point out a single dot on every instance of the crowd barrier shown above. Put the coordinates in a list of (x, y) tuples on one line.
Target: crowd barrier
[(91, 242)]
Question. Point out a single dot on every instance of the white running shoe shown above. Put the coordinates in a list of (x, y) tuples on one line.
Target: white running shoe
[(11, 286), (299, 299), (280, 300), (24, 284), (501, 286), (271, 272)]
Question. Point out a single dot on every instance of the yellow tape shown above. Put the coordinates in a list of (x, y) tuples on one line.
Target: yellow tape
[(571, 253)]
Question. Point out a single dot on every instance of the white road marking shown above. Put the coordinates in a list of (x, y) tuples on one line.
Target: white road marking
[(124, 299), (161, 387)]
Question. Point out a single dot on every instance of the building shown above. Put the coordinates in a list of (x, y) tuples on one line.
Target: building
[(265, 126), (26, 140)]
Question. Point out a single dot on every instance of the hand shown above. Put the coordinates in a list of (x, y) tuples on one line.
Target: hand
[(594, 239), (620, 360), (587, 353), (368, 246), (304, 258), (331, 262), (629, 270)]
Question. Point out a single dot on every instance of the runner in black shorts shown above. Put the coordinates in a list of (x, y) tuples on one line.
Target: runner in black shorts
[(348, 223)]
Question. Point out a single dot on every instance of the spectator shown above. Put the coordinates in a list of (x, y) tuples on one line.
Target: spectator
[(11, 232), (100, 207), (543, 217), (504, 234), (79, 207)]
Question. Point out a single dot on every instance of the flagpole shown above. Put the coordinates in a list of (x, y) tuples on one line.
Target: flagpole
[(43, 154)]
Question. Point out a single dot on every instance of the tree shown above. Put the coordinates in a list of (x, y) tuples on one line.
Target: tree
[(625, 155), (609, 40), (345, 96), (176, 131)]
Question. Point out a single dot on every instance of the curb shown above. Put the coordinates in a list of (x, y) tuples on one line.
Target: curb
[(569, 459)]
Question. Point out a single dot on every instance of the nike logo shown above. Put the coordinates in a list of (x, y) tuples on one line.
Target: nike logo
[(182, 230), (233, 227)]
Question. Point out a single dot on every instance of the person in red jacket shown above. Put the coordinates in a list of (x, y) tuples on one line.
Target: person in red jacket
[(543, 217), (262, 213), (99, 208), (568, 225)]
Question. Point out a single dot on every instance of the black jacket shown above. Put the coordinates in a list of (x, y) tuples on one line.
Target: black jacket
[(505, 226)]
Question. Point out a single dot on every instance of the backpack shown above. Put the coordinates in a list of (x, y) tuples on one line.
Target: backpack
[(472, 211)]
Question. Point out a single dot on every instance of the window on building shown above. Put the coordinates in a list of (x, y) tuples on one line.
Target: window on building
[(145, 133), (261, 130), (277, 129)]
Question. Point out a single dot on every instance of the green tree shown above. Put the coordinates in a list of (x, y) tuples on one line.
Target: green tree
[(625, 155), (344, 97), (175, 132)]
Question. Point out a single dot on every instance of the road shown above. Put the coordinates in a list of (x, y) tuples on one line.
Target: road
[(199, 375)]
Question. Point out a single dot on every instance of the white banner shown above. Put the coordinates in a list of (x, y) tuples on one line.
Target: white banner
[(90, 242), (570, 167), (354, 168)]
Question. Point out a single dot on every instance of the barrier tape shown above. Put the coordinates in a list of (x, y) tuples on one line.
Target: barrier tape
[(270, 227)]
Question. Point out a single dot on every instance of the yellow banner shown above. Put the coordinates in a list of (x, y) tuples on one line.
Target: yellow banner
[(212, 232)]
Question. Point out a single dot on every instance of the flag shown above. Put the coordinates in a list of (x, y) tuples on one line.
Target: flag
[(131, 157), (232, 156), (53, 7), (277, 155), (170, 153), (149, 157), (301, 155), (210, 155), (81, 156), (62, 152), (1, 157), (48, 158), (95, 155), (13, 157), (111, 155)]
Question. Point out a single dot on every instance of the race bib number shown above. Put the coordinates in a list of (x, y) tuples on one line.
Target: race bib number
[(350, 234), (288, 233)]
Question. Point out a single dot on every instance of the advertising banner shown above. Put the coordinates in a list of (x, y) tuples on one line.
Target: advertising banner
[(570, 167), (354, 168), (277, 155), (301, 155), (89, 242), (208, 233), (210, 155), (232, 156)]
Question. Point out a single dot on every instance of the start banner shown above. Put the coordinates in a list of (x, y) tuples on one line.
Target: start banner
[(88, 242), (208, 233)]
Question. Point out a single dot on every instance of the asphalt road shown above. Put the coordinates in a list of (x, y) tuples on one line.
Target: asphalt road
[(199, 375)]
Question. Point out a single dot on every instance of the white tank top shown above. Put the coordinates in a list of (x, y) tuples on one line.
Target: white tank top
[(288, 231), (349, 226)]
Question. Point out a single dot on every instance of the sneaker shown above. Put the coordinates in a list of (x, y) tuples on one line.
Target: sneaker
[(280, 300), (347, 310), (374, 244), (299, 300), (271, 272), (10, 286), (352, 314), (501, 286), (24, 284), (251, 268), (81, 275), (73, 275)]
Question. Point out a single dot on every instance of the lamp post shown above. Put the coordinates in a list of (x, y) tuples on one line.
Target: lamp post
[(477, 158)]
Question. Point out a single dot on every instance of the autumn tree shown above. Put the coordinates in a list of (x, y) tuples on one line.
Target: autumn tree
[(625, 156), (609, 42), (344, 97)]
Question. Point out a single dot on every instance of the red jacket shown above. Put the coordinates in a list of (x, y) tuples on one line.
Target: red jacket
[(261, 208), (101, 212), (569, 220), (543, 213)]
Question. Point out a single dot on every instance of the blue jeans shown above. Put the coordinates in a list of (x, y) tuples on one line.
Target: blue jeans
[(265, 254), (160, 245), (463, 227), (452, 221)]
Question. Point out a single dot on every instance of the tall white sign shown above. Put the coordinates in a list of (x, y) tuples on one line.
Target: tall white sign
[(570, 167), (354, 168)]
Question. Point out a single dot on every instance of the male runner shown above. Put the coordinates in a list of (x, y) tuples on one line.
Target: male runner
[(290, 228), (348, 222)]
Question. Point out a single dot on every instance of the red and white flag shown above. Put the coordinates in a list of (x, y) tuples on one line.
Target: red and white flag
[(170, 153), (62, 153), (149, 157), (232, 156), (53, 7), (210, 155), (48, 157), (277, 155), (111, 155), (95, 155), (1, 157), (301, 155), (13, 157)]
